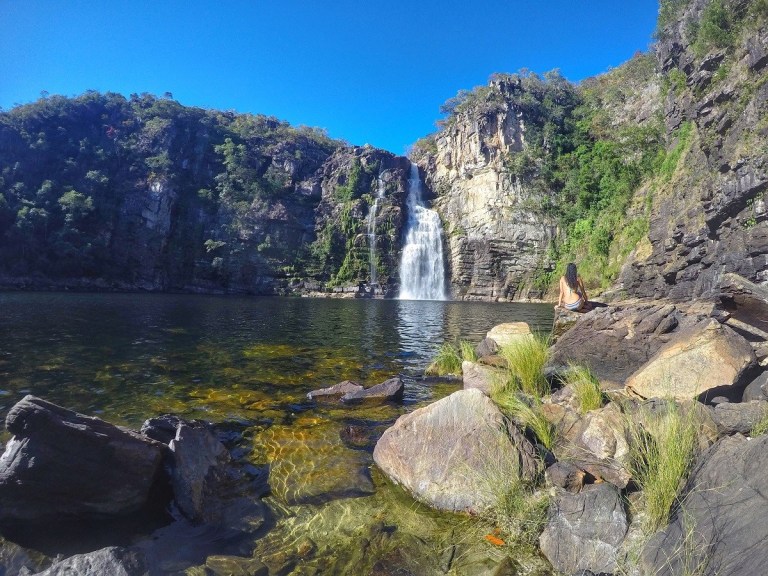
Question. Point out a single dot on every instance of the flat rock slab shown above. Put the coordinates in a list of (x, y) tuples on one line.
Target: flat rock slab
[(707, 359), (720, 527), (63, 463), (585, 530), (451, 454)]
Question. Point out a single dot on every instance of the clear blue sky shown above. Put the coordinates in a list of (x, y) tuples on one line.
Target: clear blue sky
[(367, 71)]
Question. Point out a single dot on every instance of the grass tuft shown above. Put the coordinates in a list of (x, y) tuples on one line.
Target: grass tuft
[(585, 388), (449, 358), (526, 414), (525, 359), (662, 452)]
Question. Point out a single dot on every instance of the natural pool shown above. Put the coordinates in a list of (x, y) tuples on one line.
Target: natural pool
[(127, 357)]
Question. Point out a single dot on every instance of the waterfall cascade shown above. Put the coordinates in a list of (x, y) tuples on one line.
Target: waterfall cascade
[(422, 274), (372, 231)]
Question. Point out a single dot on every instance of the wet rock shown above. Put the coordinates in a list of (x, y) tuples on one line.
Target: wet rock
[(741, 417), (355, 435), (391, 389), (719, 527), (114, 561), (505, 334), (585, 530), (200, 462), (340, 389), (17, 560), (447, 454), (707, 359), (63, 463), (477, 376)]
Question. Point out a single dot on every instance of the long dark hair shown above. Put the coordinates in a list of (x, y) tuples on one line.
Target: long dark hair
[(571, 276)]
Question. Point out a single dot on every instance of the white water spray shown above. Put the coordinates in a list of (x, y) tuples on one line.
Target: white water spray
[(372, 231), (422, 276)]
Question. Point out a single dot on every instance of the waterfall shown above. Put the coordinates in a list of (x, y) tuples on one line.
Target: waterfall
[(372, 231), (421, 267)]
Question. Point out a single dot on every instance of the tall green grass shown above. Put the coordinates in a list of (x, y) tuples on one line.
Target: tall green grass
[(449, 358), (662, 452), (525, 358), (526, 412), (585, 386)]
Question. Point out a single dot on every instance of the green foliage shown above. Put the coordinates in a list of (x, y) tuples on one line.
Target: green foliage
[(760, 427), (662, 451), (670, 161), (351, 189), (525, 358), (585, 386), (669, 11), (716, 28), (526, 412), (449, 358)]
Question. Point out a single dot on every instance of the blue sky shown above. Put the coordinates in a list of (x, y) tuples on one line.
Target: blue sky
[(367, 71)]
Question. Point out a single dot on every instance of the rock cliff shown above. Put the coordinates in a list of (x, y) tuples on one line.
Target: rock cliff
[(709, 213), (496, 237)]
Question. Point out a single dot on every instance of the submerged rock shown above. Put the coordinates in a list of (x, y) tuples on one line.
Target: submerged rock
[(585, 530), (453, 453), (60, 463)]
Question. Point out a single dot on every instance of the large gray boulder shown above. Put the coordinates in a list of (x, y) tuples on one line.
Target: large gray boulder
[(476, 375), (454, 453), (707, 359), (60, 463), (585, 530), (719, 529)]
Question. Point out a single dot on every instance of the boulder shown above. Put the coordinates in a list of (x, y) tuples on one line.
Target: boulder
[(487, 347), (719, 528), (340, 389), (114, 561), (453, 453), (741, 417), (508, 332), (613, 342), (585, 530), (595, 442), (757, 389), (391, 389), (478, 376), (706, 360), (60, 463)]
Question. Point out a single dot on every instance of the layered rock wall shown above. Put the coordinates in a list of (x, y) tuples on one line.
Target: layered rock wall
[(495, 238)]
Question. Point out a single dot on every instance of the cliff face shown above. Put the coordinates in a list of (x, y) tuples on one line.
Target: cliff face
[(495, 236), (709, 210), (109, 193)]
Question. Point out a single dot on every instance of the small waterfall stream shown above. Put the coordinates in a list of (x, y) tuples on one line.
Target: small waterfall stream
[(422, 275), (372, 231)]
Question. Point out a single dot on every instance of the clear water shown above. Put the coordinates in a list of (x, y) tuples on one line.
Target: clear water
[(128, 357)]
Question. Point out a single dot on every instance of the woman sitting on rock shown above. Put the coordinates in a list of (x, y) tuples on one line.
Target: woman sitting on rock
[(573, 296)]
